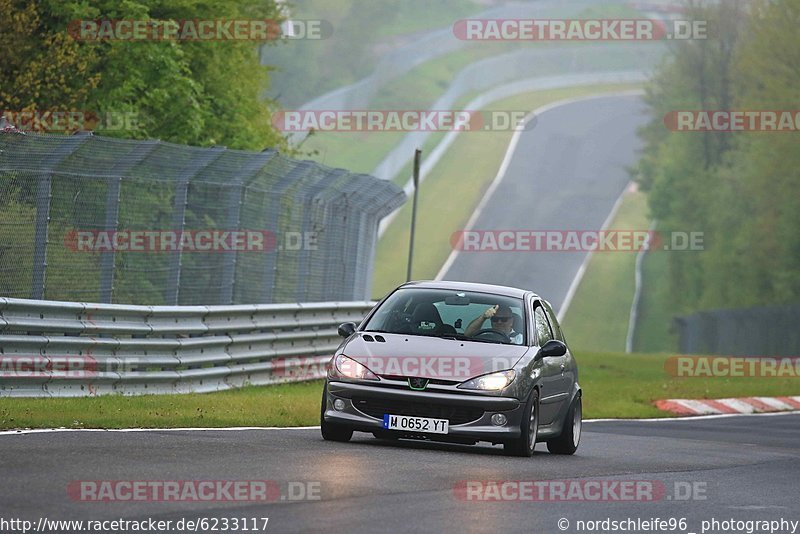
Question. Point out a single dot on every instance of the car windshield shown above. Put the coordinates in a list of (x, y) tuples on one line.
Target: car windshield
[(466, 315)]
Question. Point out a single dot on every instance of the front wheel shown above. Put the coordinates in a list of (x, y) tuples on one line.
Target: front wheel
[(570, 438), (331, 431), (528, 429)]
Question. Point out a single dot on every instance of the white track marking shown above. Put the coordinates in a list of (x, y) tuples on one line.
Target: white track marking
[(228, 429), (738, 405), (512, 146), (576, 281), (775, 403), (696, 406), (694, 417)]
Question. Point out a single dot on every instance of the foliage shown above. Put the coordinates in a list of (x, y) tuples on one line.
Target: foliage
[(191, 92), (738, 188)]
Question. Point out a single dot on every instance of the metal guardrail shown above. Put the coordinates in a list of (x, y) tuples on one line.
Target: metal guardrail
[(554, 67), (758, 331), (71, 349), (633, 316)]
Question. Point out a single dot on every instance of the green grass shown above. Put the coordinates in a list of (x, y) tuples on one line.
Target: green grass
[(429, 16), (607, 291), (354, 151), (284, 404), (597, 318), (615, 385), (625, 385), (452, 190), (656, 310), (418, 90)]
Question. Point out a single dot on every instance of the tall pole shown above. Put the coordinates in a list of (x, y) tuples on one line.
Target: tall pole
[(417, 156)]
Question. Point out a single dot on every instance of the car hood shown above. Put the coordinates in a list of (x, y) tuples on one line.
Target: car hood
[(451, 360)]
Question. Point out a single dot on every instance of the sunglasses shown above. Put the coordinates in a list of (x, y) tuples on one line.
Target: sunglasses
[(496, 319)]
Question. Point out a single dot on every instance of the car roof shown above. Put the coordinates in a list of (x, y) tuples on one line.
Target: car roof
[(469, 286)]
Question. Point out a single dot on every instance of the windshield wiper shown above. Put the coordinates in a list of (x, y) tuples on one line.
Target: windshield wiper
[(464, 337)]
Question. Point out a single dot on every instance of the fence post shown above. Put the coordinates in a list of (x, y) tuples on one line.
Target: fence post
[(44, 195), (309, 196), (107, 256), (138, 154), (234, 221), (275, 212), (203, 160)]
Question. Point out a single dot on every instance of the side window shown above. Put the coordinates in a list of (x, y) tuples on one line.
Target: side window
[(543, 332), (559, 335)]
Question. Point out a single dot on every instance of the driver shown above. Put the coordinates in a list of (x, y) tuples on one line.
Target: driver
[(502, 320)]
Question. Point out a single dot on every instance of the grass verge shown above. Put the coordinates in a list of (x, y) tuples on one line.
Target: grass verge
[(636, 380), (597, 318), (654, 331), (607, 288)]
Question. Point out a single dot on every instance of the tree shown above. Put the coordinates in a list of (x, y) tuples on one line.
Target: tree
[(738, 188), (192, 92)]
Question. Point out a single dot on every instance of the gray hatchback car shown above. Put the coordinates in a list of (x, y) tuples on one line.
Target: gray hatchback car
[(456, 362)]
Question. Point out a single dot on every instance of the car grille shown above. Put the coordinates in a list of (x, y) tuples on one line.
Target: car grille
[(431, 381), (457, 415)]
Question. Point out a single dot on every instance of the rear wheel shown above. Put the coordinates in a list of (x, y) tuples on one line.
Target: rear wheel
[(570, 438), (528, 429), (332, 431)]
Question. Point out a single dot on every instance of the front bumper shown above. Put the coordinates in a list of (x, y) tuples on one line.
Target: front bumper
[(458, 404)]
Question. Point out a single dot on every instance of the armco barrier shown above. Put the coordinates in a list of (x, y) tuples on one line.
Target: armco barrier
[(759, 331), (72, 349)]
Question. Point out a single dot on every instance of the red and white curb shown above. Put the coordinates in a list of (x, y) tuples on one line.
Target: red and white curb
[(729, 406)]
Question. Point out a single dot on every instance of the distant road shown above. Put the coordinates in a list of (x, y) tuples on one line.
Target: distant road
[(565, 174)]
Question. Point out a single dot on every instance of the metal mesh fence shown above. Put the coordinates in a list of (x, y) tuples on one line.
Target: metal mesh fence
[(94, 219), (764, 331)]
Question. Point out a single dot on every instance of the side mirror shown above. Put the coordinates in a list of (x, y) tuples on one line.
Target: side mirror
[(347, 329), (553, 347)]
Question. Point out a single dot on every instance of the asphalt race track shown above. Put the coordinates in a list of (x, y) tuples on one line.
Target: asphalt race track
[(744, 467), (565, 174)]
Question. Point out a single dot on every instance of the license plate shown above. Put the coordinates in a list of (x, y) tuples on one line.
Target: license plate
[(415, 424)]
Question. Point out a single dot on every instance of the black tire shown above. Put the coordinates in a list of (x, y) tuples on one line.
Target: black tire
[(529, 427), (331, 431), (570, 438)]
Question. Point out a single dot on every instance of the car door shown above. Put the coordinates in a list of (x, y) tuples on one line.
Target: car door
[(553, 394), (570, 373)]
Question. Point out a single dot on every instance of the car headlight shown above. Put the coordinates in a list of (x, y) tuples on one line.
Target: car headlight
[(490, 382), (349, 368)]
